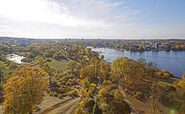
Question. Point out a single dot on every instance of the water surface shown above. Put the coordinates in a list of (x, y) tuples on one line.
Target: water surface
[(15, 58), (172, 61)]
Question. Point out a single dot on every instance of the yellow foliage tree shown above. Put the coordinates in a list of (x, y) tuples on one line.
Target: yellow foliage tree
[(24, 90)]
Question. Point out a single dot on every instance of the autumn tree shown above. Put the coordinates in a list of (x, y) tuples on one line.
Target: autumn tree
[(92, 71), (104, 69), (72, 67), (2, 68), (102, 57), (121, 67), (118, 105), (97, 109), (85, 83), (24, 90), (82, 63)]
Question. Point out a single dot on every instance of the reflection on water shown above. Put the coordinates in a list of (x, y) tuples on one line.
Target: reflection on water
[(171, 61), (15, 58)]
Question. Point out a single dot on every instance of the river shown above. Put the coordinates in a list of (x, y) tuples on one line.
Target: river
[(172, 61), (15, 58)]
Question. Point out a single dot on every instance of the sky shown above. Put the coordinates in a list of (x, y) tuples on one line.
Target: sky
[(95, 19)]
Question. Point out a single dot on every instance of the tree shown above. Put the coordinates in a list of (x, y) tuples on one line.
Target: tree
[(102, 57), (79, 111), (83, 92), (12, 66), (118, 107), (88, 52), (118, 95), (2, 68), (104, 69), (97, 109), (72, 67), (82, 63), (103, 92), (24, 90), (89, 105), (85, 83), (46, 67)]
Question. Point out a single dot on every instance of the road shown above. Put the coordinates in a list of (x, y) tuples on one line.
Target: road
[(97, 89)]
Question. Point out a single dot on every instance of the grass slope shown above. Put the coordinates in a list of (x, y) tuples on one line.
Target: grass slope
[(60, 65)]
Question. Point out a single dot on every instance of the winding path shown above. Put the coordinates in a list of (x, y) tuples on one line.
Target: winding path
[(97, 89)]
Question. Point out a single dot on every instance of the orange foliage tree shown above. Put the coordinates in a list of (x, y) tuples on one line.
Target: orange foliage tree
[(24, 90)]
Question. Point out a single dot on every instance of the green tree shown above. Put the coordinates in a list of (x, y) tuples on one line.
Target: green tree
[(118, 107), (102, 57)]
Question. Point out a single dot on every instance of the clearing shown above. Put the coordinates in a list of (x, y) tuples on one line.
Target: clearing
[(54, 105), (60, 65)]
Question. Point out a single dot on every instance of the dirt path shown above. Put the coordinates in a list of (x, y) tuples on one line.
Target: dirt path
[(66, 108), (1, 109), (97, 89)]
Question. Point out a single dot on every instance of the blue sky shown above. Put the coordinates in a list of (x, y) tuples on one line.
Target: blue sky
[(93, 18)]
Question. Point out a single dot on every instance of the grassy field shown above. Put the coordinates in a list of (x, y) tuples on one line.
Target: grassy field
[(164, 84), (59, 64)]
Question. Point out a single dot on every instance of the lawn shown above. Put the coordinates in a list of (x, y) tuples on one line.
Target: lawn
[(164, 84), (60, 65)]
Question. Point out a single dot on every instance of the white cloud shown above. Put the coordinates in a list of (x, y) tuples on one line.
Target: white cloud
[(72, 18)]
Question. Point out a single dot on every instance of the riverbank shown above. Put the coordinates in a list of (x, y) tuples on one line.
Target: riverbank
[(171, 61)]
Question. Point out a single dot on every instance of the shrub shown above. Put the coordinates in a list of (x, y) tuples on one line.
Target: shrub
[(55, 94), (118, 107), (73, 93), (1, 87), (93, 85), (90, 93), (170, 88), (83, 92), (1, 97), (60, 96), (48, 60), (106, 82), (138, 95), (103, 92), (51, 93), (89, 105), (114, 80), (126, 90), (96, 109), (79, 111), (85, 83)]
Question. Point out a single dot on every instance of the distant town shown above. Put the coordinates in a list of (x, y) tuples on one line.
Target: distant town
[(121, 44)]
